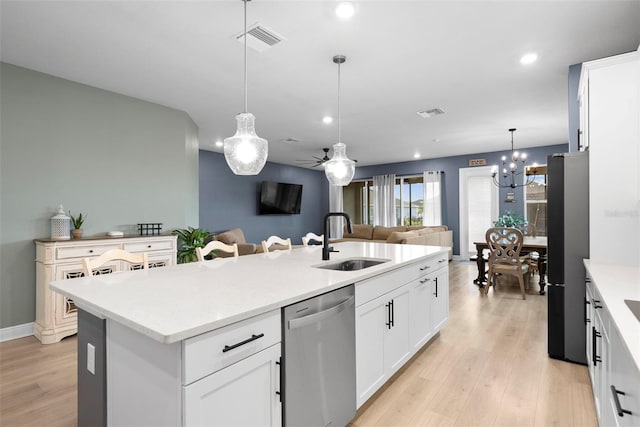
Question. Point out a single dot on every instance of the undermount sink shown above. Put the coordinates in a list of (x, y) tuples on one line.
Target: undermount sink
[(352, 264)]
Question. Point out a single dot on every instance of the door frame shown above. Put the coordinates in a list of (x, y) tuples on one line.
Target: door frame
[(463, 213)]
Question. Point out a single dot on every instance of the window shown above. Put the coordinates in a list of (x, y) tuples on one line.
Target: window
[(359, 197), (535, 199)]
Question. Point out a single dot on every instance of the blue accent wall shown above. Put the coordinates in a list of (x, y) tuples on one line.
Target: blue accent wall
[(451, 166), (574, 109), (229, 201)]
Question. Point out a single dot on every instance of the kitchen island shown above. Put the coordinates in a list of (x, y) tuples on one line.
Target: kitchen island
[(165, 329)]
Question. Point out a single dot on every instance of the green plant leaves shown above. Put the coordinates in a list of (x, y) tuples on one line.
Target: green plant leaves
[(188, 240), (510, 219)]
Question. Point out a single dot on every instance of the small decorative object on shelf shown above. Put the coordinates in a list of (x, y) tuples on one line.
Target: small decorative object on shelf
[(60, 225), (77, 222), (150, 228)]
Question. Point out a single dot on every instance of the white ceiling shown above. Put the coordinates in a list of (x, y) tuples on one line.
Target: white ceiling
[(402, 57)]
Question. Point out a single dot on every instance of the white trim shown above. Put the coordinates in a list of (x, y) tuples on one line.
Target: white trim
[(463, 213), (15, 332)]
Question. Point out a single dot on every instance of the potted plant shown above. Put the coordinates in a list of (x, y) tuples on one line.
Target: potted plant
[(77, 222), (510, 219), (188, 240)]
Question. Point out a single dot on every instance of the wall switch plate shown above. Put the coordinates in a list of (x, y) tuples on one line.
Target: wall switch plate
[(91, 358)]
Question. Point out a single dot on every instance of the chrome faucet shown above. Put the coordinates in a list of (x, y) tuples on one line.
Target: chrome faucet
[(325, 248)]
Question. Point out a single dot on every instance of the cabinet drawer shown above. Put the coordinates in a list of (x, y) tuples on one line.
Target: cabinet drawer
[(212, 351), (148, 246), (84, 251)]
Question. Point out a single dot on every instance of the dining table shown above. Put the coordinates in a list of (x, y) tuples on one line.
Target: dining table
[(530, 244)]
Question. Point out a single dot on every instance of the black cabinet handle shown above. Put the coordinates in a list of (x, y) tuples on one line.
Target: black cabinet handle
[(247, 341), (388, 323), (441, 261), (426, 267), (621, 411), (594, 348), (436, 294), (424, 281), (595, 303), (90, 251), (393, 314), (586, 303)]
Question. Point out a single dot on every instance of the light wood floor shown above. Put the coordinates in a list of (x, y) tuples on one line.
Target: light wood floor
[(489, 366)]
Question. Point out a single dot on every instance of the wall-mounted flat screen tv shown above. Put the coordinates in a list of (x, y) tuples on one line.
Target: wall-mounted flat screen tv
[(280, 198)]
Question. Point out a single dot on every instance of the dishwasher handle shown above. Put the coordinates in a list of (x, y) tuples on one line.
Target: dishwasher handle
[(321, 315)]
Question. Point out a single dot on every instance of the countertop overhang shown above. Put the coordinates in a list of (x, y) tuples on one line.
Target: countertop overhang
[(174, 303)]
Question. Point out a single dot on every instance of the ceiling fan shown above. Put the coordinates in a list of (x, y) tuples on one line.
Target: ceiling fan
[(318, 160)]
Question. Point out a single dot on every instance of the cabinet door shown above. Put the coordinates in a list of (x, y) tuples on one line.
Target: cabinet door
[(420, 330), (397, 349), (439, 299), (370, 330), (626, 379), (243, 394)]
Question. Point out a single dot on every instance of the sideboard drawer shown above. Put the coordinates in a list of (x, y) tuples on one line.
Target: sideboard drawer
[(148, 246), (83, 251), (212, 351)]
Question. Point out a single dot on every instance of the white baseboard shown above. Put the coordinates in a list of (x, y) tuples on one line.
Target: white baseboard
[(15, 332)]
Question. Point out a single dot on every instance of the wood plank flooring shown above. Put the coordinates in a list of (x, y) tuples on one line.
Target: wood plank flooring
[(488, 367)]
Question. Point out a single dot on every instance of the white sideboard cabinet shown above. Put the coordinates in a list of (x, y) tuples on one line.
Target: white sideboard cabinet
[(609, 100), (56, 315)]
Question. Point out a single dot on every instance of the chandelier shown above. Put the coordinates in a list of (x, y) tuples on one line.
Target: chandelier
[(340, 169), (245, 152), (507, 179)]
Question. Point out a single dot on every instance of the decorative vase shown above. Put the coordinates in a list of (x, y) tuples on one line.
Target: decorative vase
[(77, 233)]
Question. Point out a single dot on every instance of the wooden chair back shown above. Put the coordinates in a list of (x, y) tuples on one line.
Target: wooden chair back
[(216, 245), (91, 264), (505, 245), (275, 240), (312, 236)]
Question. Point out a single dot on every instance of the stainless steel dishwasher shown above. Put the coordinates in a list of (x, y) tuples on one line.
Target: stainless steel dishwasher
[(319, 364)]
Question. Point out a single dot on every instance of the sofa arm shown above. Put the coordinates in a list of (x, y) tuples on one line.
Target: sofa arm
[(246, 248)]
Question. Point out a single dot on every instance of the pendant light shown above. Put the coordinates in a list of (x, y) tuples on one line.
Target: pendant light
[(340, 168), (245, 152)]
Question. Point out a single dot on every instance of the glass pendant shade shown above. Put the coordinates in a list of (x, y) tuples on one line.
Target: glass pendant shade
[(245, 152), (340, 169)]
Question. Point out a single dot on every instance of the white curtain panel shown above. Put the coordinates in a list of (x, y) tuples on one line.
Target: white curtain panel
[(384, 206), (335, 205), (432, 207)]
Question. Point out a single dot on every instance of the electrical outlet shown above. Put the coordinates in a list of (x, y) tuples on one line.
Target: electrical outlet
[(91, 358)]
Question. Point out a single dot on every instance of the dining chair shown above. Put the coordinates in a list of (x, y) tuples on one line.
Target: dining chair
[(533, 257), (312, 239), (505, 245), (92, 266), (216, 245), (277, 243)]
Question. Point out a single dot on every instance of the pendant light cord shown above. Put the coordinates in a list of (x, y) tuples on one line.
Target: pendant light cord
[(245, 55), (339, 137)]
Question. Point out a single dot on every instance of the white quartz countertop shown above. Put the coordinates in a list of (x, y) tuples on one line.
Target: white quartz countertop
[(173, 303), (617, 283)]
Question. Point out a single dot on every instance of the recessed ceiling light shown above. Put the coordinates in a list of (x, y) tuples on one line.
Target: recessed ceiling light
[(435, 140), (416, 156), (529, 58), (219, 143), (345, 10), (327, 119)]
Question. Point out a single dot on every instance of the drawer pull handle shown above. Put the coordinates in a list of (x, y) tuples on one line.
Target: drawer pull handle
[(424, 280), (426, 267), (441, 261), (149, 246), (90, 251), (247, 341), (595, 303), (621, 411)]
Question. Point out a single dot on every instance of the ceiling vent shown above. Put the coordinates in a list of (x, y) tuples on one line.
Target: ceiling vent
[(260, 38), (430, 113), (290, 141)]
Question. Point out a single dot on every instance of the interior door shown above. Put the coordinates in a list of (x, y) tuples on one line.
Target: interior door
[(478, 206)]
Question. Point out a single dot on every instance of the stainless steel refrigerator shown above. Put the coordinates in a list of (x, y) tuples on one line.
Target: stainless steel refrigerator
[(568, 245)]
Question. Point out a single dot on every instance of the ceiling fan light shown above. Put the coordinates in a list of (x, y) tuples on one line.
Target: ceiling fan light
[(245, 152), (340, 169)]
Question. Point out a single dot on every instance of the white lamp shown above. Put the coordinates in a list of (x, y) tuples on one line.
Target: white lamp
[(340, 169), (245, 152)]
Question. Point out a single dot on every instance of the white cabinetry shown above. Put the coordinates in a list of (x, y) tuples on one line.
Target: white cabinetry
[(609, 99), (226, 377), (56, 315), (396, 314), (615, 379)]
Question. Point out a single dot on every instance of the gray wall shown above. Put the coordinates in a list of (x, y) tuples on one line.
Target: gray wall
[(451, 166), (118, 159), (229, 201)]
